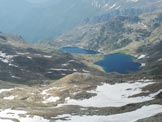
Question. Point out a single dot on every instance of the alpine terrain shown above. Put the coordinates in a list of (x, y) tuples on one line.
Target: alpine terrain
[(81, 61)]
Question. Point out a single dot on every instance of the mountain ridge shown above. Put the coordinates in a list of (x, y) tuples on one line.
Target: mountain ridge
[(45, 21), (116, 33)]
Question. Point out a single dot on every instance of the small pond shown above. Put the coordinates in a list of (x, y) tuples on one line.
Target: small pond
[(77, 50)]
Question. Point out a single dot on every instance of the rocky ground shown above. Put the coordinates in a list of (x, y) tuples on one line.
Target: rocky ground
[(83, 97)]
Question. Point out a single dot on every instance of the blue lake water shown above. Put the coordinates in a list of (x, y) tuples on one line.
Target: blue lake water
[(119, 62), (77, 50)]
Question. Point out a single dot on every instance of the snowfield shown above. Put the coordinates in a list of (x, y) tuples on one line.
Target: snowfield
[(107, 95), (115, 95), (6, 120), (144, 112)]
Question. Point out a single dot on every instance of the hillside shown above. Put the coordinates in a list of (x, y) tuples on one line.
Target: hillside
[(120, 33), (152, 59), (24, 64), (11, 39)]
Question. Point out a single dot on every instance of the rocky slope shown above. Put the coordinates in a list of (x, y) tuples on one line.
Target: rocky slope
[(28, 65), (10, 39), (151, 59), (119, 6), (117, 33)]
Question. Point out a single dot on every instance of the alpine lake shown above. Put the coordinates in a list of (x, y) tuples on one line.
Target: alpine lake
[(117, 62)]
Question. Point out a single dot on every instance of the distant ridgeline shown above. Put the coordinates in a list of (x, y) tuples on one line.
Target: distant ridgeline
[(36, 21)]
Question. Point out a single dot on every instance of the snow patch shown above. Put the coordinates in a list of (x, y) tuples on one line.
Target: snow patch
[(51, 99), (20, 116), (86, 71), (19, 53), (143, 65), (10, 97), (29, 57), (72, 61), (47, 56), (5, 58), (45, 92), (132, 0), (60, 69), (64, 65), (5, 90), (113, 6), (75, 70), (142, 56), (15, 77), (144, 80), (63, 74), (13, 65)]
